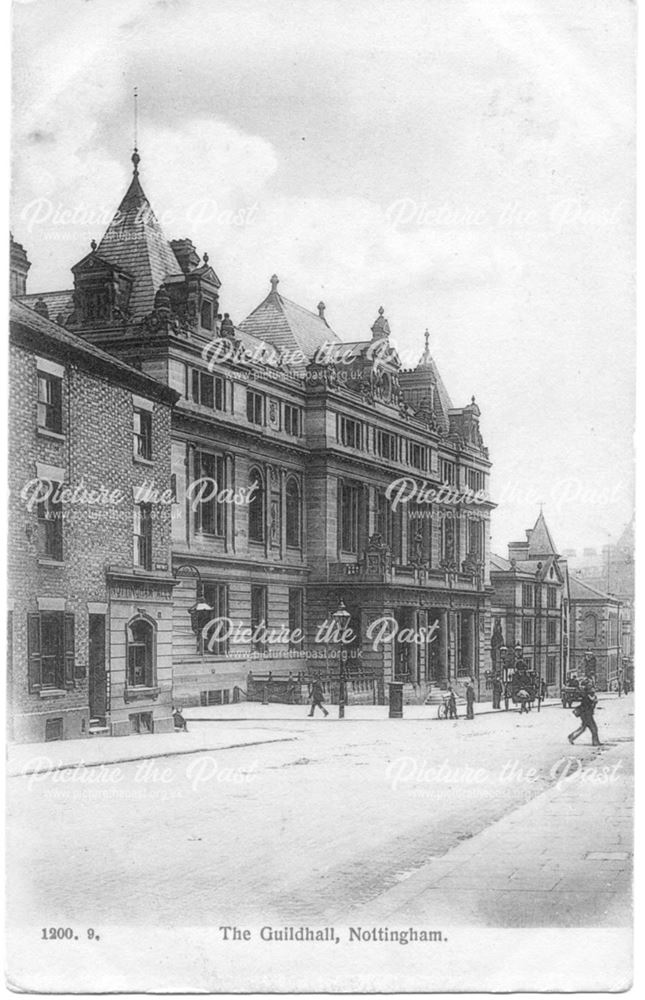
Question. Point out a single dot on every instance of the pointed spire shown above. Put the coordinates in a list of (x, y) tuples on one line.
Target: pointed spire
[(425, 360), (136, 159), (539, 539)]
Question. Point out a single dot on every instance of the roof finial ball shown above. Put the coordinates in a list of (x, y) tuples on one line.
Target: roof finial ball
[(381, 310), (321, 309), (93, 245), (274, 282), (136, 159), (206, 258), (427, 338)]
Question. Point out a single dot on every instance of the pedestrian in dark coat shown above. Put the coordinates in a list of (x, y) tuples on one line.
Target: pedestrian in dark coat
[(470, 701), (178, 719), (317, 699), (452, 704), (585, 712), (497, 693), (507, 696)]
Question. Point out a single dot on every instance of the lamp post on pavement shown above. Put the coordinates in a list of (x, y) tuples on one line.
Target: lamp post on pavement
[(341, 616), (201, 607)]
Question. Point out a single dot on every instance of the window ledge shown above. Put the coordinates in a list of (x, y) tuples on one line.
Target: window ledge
[(142, 461), (52, 563), (54, 435), (52, 693), (141, 694)]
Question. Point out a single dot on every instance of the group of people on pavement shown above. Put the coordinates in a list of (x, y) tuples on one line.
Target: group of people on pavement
[(584, 710)]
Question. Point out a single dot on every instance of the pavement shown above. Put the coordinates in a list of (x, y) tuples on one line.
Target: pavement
[(39, 758), (476, 828), (565, 856), (98, 751)]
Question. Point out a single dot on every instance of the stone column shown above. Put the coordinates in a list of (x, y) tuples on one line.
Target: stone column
[(229, 520), (444, 631), (283, 515)]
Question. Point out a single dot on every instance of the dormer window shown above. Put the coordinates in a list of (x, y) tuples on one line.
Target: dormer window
[(206, 315)]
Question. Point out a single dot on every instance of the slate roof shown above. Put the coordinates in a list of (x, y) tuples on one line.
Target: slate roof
[(539, 539), (498, 562), (580, 591), (427, 363), (287, 326), (58, 303), (135, 242)]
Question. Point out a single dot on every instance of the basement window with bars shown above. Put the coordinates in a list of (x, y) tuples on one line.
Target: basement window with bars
[(218, 697)]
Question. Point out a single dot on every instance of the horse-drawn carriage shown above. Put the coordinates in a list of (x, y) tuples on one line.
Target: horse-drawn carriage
[(524, 687), (570, 692)]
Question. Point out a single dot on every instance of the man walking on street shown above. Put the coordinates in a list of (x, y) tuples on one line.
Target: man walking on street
[(317, 699), (585, 712), (497, 692), (470, 700)]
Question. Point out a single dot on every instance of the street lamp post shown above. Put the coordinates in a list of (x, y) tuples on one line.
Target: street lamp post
[(503, 665), (341, 616), (200, 607)]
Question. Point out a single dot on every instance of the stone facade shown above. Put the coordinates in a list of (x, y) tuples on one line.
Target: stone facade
[(530, 608), (305, 435)]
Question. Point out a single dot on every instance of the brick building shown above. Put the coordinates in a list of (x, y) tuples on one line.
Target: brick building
[(530, 605), (90, 582), (595, 627), (304, 436)]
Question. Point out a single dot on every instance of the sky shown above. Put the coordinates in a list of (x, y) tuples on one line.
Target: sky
[(467, 165)]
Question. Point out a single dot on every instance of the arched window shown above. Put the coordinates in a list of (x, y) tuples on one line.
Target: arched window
[(256, 506), (206, 317), (140, 651), (294, 514), (589, 626)]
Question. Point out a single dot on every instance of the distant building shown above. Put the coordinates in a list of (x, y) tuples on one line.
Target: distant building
[(90, 580), (612, 574), (595, 633), (529, 606)]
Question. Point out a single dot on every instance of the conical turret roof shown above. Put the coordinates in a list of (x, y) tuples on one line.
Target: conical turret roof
[(135, 241)]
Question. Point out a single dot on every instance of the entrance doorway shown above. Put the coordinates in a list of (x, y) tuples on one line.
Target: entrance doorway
[(97, 671)]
